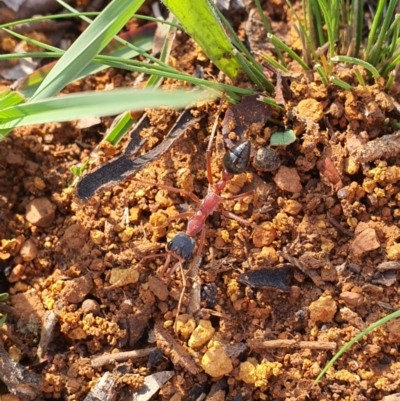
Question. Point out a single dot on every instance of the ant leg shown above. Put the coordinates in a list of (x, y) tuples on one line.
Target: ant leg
[(153, 256), (237, 218), (201, 242), (185, 215), (183, 192), (238, 197), (213, 131), (184, 283)]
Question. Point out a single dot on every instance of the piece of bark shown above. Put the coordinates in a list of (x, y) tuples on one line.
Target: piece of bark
[(19, 380), (177, 354), (103, 390), (99, 361), (321, 345), (46, 335)]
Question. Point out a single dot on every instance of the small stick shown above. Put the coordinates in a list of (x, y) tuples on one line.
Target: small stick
[(314, 276), (175, 351), (99, 361), (339, 227), (320, 345)]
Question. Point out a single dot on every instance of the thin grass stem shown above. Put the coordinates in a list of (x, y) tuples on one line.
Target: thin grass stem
[(274, 63), (322, 74), (358, 337), (278, 43), (383, 32), (262, 16), (340, 83), (359, 77)]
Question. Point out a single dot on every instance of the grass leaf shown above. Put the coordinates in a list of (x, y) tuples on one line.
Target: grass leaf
[(202, 25), (87, 46), (94, 104)]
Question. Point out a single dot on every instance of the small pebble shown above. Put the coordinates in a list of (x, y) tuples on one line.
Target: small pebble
[(97, 237), (39, 183), (310, 109), (266, 159), (16, 273), (323, 309), (216, 362), (126, 234), (28, 250), (40, 212), (158, 288), (364, 242), (201, 334), (120, 277), (292, 207), (185, 325), (14, 158), (91, 306), (287, 179), (393, 252), (76, 290), (352, 299), (264, 234)]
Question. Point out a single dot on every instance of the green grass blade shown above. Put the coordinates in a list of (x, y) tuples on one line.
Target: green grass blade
[(87, 46), (362, 63), (341, 83), (9, 99), (169, 36), (262, 16), (274, 63), (142, 38), (358, 337), (278, 43), (308, 43), (330, 25), (94, 104), (358, 19), (122, 126), (3, 297), (246, 59), (360, 78), (317, 21), (372, 36), (322, 74), (201, 24), (377, 49), (150, 69)]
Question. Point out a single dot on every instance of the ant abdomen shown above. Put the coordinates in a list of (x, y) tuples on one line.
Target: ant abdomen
[(236, 160)]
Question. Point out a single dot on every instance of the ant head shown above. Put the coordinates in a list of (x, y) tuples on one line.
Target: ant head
[(182, 245), (237, 159)]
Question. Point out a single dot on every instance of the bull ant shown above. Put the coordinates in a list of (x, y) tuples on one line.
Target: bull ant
[(181, 247)]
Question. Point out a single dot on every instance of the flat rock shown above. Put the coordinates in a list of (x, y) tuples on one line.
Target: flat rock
[(75, 290), (364, 242), (158, 288), (75, 237), (288, 180), (40, 212), (29, 309)]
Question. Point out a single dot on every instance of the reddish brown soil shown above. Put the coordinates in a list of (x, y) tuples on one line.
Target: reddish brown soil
[(331, 210)]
